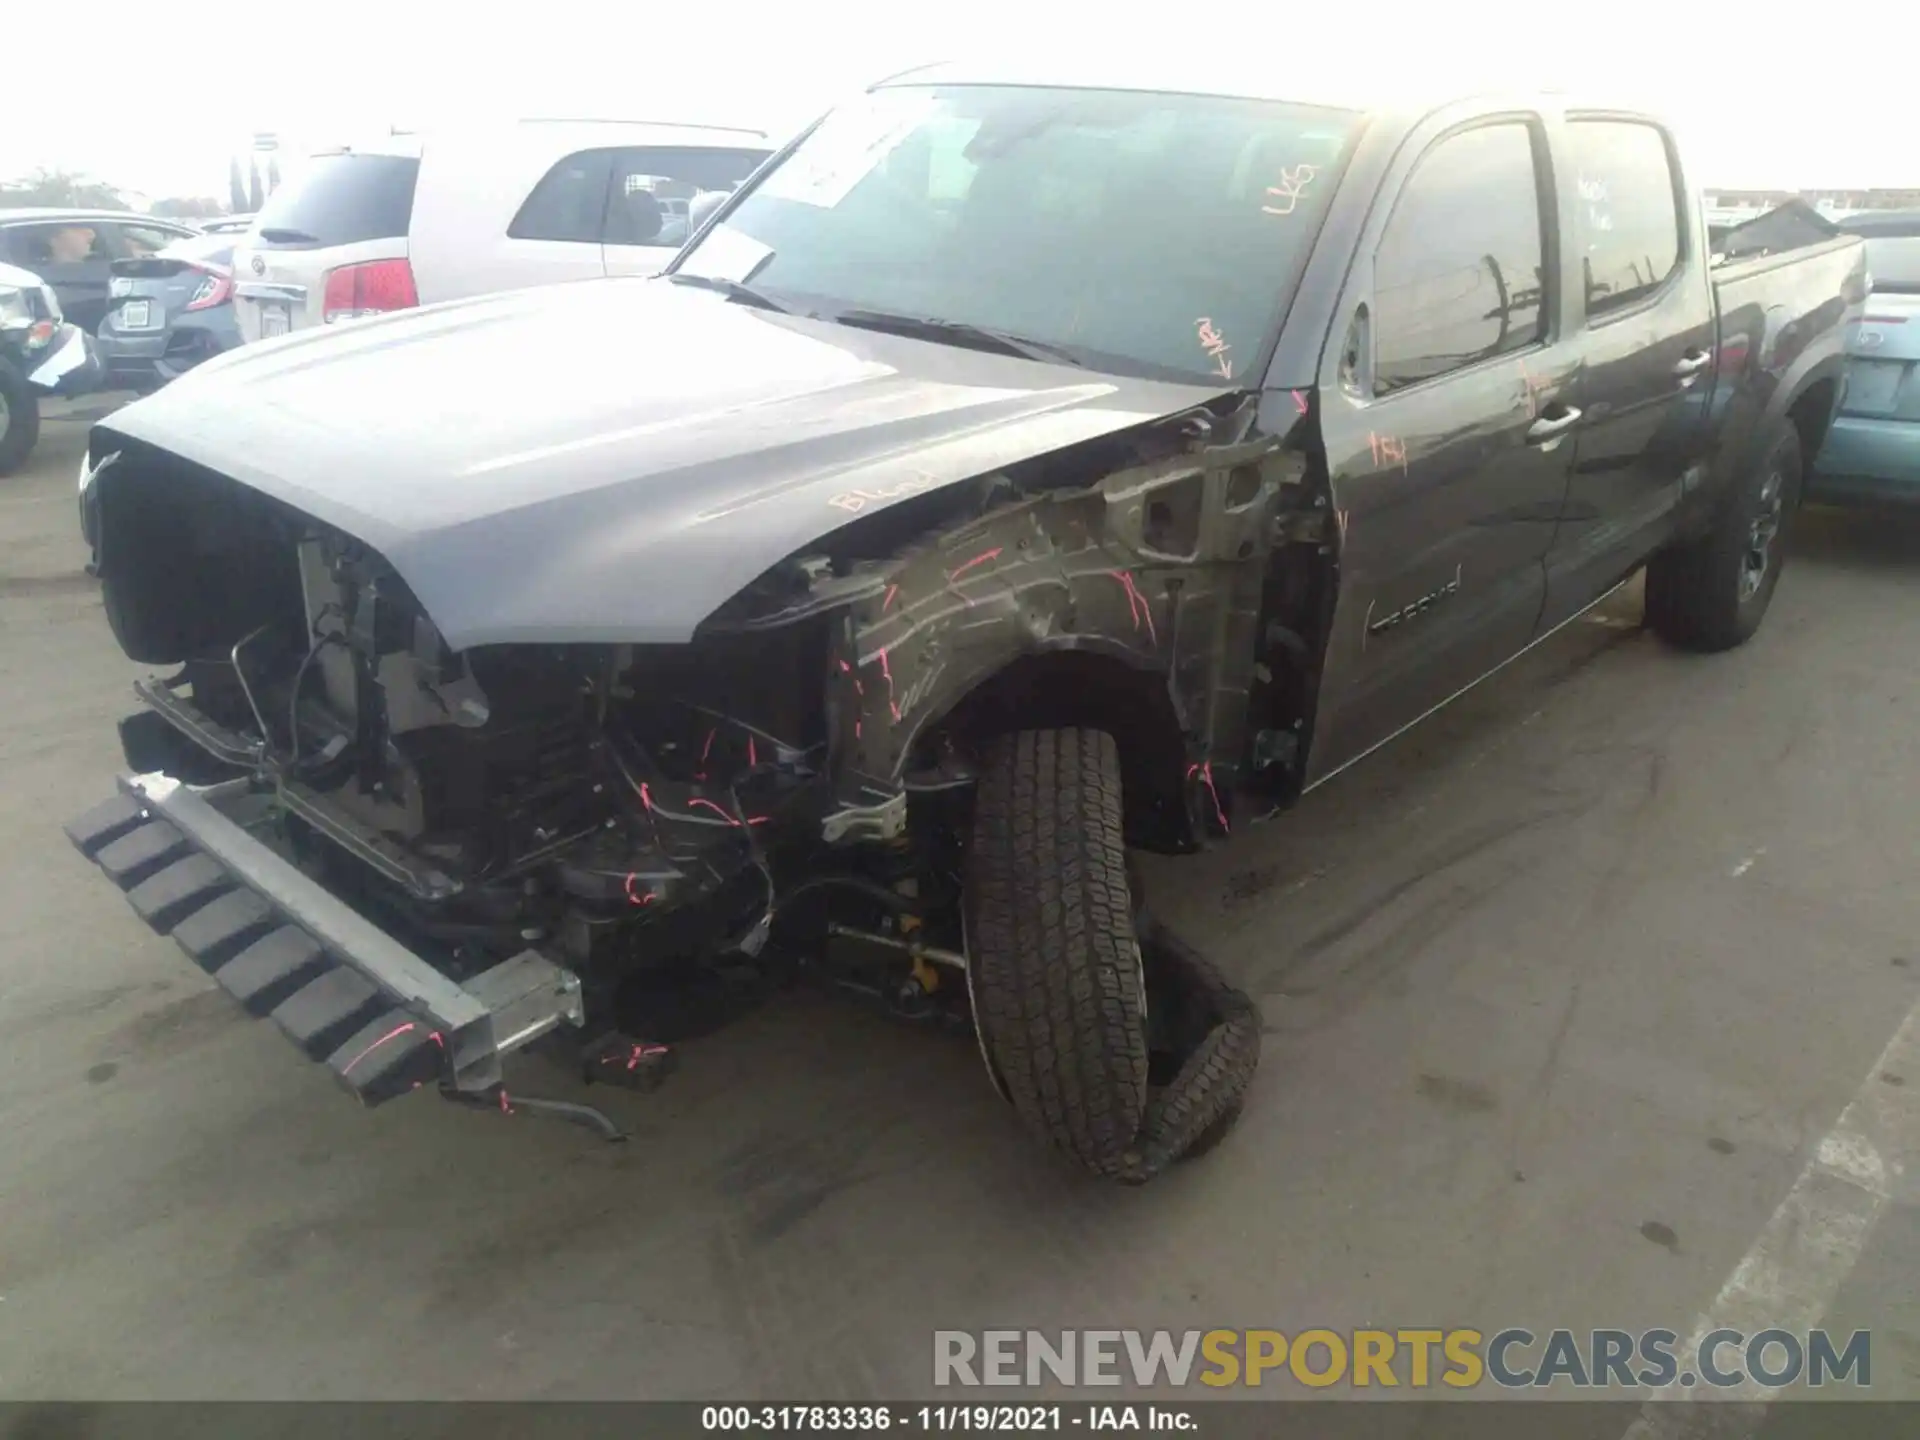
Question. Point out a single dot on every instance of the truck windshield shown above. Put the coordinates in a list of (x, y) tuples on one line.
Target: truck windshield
[(1157, 234)]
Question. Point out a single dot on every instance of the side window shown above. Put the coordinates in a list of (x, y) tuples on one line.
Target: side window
[(654, 188), (1628, 208), (570, 201), (1458, 276), (136, 242), (72, 243)]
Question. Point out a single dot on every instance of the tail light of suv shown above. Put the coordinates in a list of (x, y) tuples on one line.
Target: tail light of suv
[(372, 288)]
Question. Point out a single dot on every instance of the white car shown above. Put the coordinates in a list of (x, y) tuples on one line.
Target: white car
[(412, 220)]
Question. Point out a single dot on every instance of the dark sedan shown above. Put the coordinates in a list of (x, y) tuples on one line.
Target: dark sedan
[(73, 251), (168, 312)]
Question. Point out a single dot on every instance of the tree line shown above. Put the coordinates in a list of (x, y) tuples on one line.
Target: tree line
[(73, 190)]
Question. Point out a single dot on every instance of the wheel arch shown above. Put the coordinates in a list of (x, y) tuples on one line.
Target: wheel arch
[(1086, 682), (1811, 411)]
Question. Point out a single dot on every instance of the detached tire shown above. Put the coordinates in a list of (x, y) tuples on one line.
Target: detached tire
[(19, 419), (1054, 962), (1114, 1040), (1710, 593)]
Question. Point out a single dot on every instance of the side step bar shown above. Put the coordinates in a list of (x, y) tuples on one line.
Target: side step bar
[(380, 1017)]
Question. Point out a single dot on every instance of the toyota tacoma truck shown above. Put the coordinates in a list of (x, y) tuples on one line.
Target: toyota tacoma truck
[(1017, 469)]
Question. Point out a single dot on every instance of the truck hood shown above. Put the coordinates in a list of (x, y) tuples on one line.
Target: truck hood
[(611, 460)]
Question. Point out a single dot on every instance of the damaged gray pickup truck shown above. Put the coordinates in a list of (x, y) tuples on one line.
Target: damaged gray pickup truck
[(1011, 472)]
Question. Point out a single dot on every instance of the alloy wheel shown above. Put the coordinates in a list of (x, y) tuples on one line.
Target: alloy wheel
[(1763, 537)]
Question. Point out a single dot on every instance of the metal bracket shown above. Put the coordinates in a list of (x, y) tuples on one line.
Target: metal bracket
[(526, 997), (884, 821)]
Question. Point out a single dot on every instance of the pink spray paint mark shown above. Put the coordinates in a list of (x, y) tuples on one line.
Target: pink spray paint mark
[(887, 604), (635, 896), (1137, 605), (1206, 777), (643, 1052), (1299, 403), (993, 554), (646, 799), (701, 800), (393, 1034), (887, 671), (753, 755), (505, 1107)]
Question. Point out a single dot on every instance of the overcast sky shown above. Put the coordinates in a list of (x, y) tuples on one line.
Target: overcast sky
[(157, 98)]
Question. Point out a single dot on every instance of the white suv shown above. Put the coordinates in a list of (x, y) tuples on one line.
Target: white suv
[(411, 220)]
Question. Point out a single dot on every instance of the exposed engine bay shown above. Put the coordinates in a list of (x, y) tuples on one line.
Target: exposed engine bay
[(680, 826)]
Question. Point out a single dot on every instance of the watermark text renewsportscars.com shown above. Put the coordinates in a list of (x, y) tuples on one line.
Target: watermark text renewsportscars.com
[(1417, 1359)]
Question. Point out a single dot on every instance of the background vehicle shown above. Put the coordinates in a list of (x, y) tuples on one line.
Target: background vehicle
[(413, 220), (1873, 450), (40, 354), (74, 250), (966, 513), (169, 311)]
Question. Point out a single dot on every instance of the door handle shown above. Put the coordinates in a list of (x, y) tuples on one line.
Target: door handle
[(1693, 363), (1547, 428)]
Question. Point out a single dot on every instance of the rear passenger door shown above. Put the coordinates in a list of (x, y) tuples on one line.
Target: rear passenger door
[(1446, 411), (1641, 289), (652, 192)]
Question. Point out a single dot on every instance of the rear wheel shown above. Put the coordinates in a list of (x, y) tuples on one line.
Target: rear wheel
[(19, 419), (1711, 593)]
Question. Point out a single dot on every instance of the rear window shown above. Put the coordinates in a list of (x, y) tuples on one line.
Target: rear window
[(1889, 224), (1893, 263), (1893, 249), (340, 200)]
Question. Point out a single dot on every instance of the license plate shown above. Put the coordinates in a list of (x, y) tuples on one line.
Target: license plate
[(1873, 386), (136, 315), (274, 320)]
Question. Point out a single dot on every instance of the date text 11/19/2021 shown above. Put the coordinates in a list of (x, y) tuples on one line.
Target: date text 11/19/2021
[(945, 1419)]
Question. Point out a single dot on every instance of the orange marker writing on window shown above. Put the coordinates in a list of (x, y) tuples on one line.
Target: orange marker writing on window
[(1282, 198), (1216, 346)]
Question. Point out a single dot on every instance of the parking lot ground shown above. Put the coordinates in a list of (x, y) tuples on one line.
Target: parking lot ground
[(1563, 994)]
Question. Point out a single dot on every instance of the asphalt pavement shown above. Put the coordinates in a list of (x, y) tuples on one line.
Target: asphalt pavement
[(1568, 995)]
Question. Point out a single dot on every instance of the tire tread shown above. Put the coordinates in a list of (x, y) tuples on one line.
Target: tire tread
[(1051, 931)]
